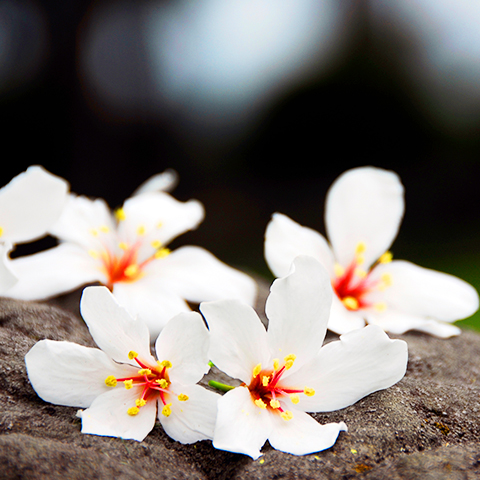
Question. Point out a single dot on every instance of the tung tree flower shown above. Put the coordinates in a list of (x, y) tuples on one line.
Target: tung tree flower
[(122, 386), (284, 371), (29, 204), (364, 208), (127, 252)]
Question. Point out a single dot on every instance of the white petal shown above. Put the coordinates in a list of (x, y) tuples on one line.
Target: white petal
[(108, 415), (286, 239), (30, 204), (399, 322), (241, 426), (52, 272), (112, 327), (161, 182), (342, 320), (194, 419), (198, 276), (298, 308), (427, 293), (65, 373), (360, 363), (238, 340), (303, 434), (159, 212), (363, 205), (81, 221), (151, 302), (7, 278), (184, 341)]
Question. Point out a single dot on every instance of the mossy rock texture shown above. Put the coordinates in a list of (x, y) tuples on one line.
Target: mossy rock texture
[(425, 427)]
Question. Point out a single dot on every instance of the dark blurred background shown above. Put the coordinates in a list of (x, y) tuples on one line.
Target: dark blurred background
[(258, 105)]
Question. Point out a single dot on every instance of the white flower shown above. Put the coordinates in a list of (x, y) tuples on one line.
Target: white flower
[(364, 208), (126, 252), (122, 386), (29, 204), (285, 371)]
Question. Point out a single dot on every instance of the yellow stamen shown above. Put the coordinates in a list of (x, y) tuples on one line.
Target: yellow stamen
[(309, 392), (380, 306), (131, 270), (274, 403), (94, 232), (128, 384), (360, 248), (294, 398), (93, 253), (265, 380), (133, 411), (276, 363), (123, 246), (144, 371), (104, 229), (156, 244), (287, 415), (132, 354), (159, 224), (257, 370), (183, 397), (351, 303), (260, 403), (338, 270), (162, 382), (166, 364), (111, 381), (162, 253), (167, 410), (360, 272), (141, 230), (1, 231), (385, 258), (289, 359), (387, 280), (140, 402), (120, 214)]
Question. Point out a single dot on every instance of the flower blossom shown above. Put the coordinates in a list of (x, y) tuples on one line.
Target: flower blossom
[(127, 251), (285, 371), (29, 204), (364, 208), (122, 387)]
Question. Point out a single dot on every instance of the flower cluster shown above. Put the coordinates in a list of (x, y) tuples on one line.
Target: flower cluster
[(144, 305)]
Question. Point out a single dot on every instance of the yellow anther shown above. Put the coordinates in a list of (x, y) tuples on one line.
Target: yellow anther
[(350, 302), (132, 354), (123, 246), (338, 270), (360, 272), (111, 381), (294, 398), (93, 253), (133, 411), (104, 229), (380, 306), (265, 380), (94, 232), (162, 382), (144, 371), (360, 248), (387, 279), (276, 363), (131, 270), (167, 410), (156, 244), (165, 363), (128, 384), (274, 403), (120, 214), (290, 356), (140, 402), (287, 415), (162, 253), (309, 392), (141, 230), (183, 397), (260, 403), (1, 231), (385, 258), (257, 370), (159, 224)]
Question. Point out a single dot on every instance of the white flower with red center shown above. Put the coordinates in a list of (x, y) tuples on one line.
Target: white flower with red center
[(29, 205), (285, 372), (363, 211), (122, 387), (127, 252)]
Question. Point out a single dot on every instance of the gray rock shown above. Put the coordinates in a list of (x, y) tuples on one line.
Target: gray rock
[(425, 427)]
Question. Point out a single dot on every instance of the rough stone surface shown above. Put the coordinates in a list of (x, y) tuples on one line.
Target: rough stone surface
[(425, 427)]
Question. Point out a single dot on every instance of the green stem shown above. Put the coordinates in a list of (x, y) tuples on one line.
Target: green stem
[(220, 386)]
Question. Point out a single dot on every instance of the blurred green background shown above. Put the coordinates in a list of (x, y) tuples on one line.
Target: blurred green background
[(258, 105)]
